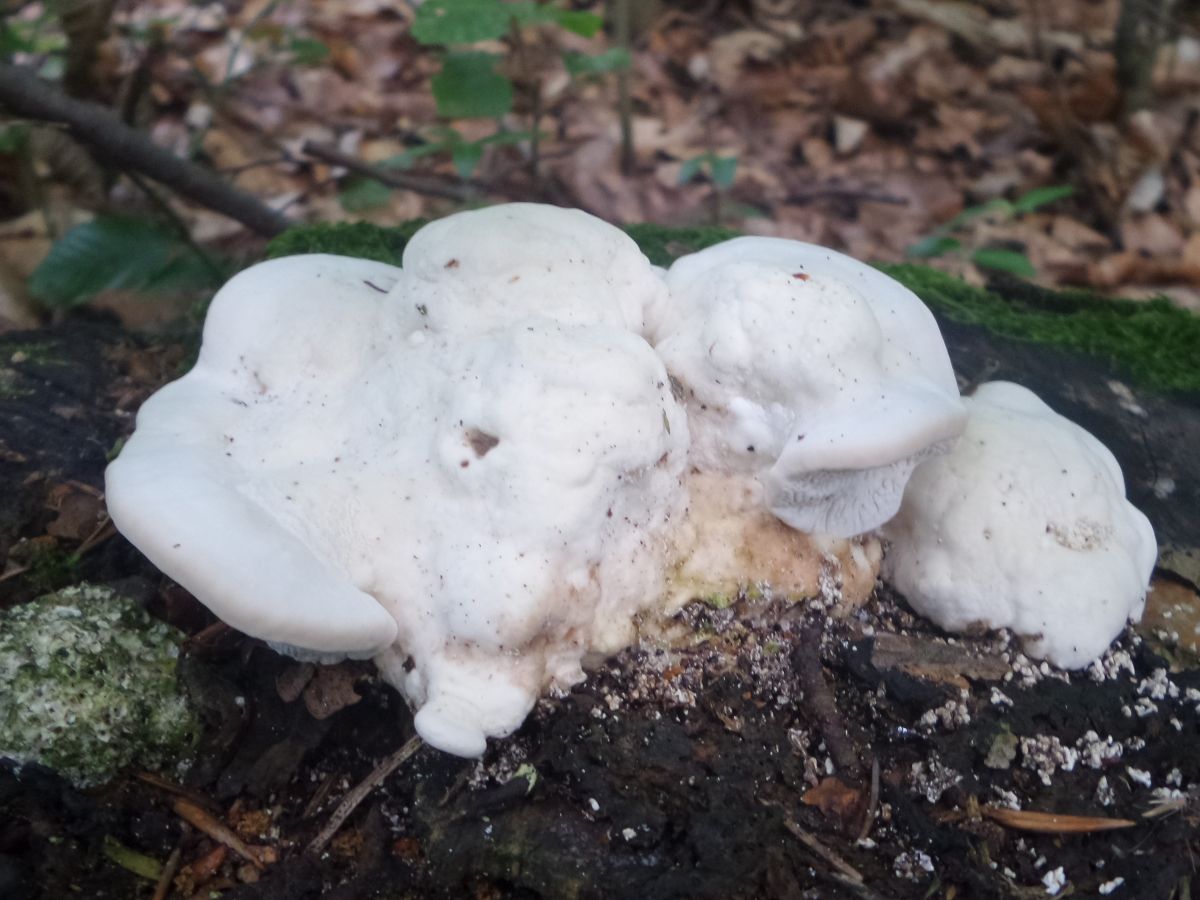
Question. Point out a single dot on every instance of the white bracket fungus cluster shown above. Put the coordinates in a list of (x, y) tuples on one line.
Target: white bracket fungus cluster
[(479, 467)]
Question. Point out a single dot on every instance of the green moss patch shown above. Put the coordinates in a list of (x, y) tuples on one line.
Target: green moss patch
[(1154, 342), (358, 239), (1157, 343), (663, 245), (89, 686)]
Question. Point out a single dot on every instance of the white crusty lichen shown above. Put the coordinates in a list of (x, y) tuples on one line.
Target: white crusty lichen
[(90, 685)]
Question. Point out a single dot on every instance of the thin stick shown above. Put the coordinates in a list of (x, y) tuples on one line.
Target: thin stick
[(872, 802), (215, 829), (433, 187), (621, 33), (168, 874), (361, 791)]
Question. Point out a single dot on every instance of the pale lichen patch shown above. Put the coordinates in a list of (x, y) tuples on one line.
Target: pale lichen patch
[(90, 685)]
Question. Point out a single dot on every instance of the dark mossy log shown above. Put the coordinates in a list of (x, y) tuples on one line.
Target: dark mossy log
[(689, 775)]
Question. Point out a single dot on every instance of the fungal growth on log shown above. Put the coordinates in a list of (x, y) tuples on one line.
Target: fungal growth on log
[(482, 468)]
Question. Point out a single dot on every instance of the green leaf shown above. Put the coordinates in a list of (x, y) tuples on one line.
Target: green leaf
[(469, 87), (361, 194), (119, 253), (724, 170), (460, 21), (931, 246), (691, 168), (1010, 261), (13, 138), (307, 51), (1039, 197), (998, 205), (12, 41), (466, 157), (580, 22), (579, 64)]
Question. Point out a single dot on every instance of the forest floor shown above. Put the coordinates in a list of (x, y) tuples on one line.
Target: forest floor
[(723, 763), (864, 126)]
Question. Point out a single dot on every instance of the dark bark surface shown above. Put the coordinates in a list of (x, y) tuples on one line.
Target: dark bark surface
[(686, 772)]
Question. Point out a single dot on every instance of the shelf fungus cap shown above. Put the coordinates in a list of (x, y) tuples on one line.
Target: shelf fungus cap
[(1024, 525), (485, 268), (468, 482), (183, 490), (822, 376)]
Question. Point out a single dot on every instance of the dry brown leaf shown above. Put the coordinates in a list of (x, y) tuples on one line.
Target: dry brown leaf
[(1173, 609), (1151, 234), (331, 690), (291, 682), (839, 802), (80, 510), (1051, 823)]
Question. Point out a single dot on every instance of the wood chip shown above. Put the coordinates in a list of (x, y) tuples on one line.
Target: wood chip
[(936, 660)]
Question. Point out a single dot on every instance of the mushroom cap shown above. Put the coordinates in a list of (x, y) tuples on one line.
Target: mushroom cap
[(1023, 525), (824, 376)]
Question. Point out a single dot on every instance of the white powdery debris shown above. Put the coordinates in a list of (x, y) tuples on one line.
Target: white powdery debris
[(1110, 666), (1109, 886), (912, 865), (1054, 880), (950, 715), (1045, 755), (1005, 799), (1158, 686), (1141, 776), (1096, 752), (931, 780), (1144, 706)]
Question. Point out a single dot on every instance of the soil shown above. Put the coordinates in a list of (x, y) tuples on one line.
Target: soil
[(721, 763)]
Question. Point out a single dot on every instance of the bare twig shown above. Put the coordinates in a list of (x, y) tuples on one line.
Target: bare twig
[(168, 874), (215, 829), (103, 132), (844, 873), (418, 184), (855, 195), (178, 790), (621, 33), (872, 802), (820, 703), (361, 792)]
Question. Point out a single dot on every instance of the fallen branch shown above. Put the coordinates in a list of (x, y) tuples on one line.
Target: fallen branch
[(111, 140), (361, 791)]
